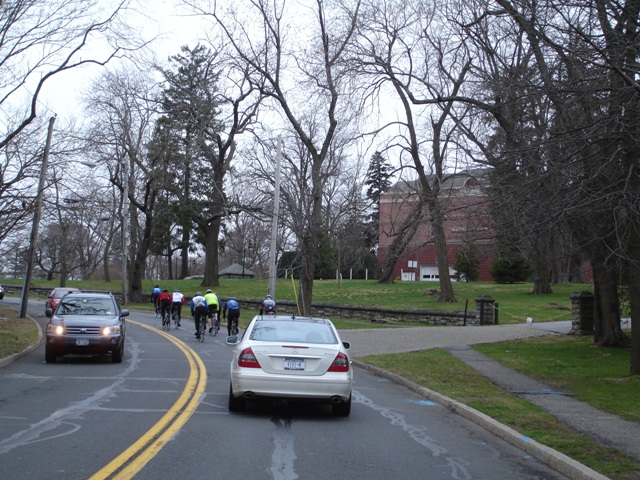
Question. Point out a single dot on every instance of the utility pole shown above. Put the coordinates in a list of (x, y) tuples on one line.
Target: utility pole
[(36, 222), (125, 230), (274, 225)]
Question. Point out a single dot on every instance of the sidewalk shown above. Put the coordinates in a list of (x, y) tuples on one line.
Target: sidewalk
[(605, 428)]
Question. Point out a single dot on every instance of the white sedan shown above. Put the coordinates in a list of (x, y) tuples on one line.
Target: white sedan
[(288, 357)]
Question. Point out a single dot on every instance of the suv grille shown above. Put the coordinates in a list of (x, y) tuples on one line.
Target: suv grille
[(93, 330)]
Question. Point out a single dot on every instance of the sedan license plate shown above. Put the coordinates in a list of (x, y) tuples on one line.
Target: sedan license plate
[(82, 342), (294, 363)]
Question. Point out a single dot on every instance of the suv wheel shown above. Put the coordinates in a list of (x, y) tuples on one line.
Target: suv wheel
[(116, 356), (49, 356)]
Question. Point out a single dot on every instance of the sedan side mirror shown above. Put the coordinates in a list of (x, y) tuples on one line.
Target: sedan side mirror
[(124, 313), (48, 312), (232, 340), (346, 345)]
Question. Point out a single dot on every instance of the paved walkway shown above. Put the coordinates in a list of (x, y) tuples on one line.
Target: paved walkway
[(603, 427)]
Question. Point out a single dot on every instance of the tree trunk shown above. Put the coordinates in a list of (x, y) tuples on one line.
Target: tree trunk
[(139, 264), (634, 295), (211, 232), (606, 315), (541, 280), (307, 273)]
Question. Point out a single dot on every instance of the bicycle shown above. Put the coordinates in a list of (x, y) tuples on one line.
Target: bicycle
[(166, 322), (234, 327), (202, 328), (215, 326), (176, 319)]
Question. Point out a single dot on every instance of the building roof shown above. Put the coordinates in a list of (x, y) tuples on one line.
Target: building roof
[(236, 269), (464, 178)]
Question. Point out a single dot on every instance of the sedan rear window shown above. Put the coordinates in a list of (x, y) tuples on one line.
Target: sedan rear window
[(290, 331)]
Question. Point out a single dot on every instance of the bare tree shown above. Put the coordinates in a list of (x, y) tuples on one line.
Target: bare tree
[(300, 75), (41, 39), (403, 47), (123, 112)]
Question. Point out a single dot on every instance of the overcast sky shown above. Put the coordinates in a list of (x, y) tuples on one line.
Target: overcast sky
[(62, 94)]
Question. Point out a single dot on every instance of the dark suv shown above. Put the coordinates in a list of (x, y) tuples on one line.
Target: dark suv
[(86, 323)]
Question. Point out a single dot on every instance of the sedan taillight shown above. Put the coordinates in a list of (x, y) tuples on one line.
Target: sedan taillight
[(247, 359), (340, 363)]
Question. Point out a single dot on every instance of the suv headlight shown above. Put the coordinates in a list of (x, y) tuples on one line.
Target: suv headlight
[(55, 329), (111, 330)]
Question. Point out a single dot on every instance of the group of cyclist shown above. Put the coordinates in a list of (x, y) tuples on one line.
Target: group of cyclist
[(205, 307), (168, 303)]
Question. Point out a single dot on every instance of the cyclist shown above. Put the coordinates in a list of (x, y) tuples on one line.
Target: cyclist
[(213, 305), (198, 312), (155, 293), (233, 307), (176, 305), (268, 306), (163, 303)]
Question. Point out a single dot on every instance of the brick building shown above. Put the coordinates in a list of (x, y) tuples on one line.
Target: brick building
[(467, 222)]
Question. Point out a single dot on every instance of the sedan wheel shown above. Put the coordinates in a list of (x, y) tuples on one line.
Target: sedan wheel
[(236, 404), (342, 409)]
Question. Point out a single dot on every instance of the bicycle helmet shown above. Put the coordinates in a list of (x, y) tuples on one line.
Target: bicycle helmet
[(268, 297), (232, 297), (209, 291), (176, 290), (198, 294)]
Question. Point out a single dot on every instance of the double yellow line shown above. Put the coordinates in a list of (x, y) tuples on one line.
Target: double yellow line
[(134, 458)]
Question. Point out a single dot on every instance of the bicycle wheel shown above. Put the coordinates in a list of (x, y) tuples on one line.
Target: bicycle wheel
[(203, 328), (216, 327), (175, 320), (234, 328)]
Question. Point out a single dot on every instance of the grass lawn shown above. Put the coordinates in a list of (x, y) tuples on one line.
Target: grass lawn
[(515, 301), (16, 333)]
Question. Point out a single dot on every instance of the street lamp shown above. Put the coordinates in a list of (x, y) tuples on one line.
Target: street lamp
[(249, 246)]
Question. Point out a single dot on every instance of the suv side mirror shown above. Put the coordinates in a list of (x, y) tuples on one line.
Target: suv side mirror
[(124, 313), (48, 312)]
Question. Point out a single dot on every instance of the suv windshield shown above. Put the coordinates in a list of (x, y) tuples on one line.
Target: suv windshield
[(86, 306)]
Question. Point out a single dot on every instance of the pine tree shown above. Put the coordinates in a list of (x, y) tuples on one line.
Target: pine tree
[(377, 181)]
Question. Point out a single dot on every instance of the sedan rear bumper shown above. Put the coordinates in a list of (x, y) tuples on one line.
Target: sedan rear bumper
[(322, 388)]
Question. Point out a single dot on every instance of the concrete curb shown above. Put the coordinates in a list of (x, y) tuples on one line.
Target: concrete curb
[(556, 460), (12, 358)]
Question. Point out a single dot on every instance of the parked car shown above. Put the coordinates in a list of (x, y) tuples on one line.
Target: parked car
[(1, 292), (56, 294), (297, 358), (86, 323)]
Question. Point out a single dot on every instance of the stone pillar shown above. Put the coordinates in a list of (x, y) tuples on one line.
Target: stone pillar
[(582, 313), (485, 310)]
